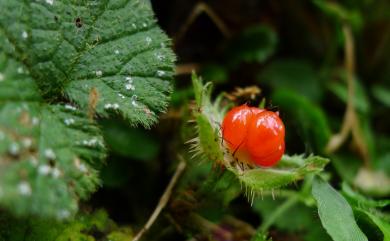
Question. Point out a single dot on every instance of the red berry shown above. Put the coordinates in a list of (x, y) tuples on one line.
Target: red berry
[(254, 135)]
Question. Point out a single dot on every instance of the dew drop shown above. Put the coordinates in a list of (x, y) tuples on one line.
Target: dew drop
[(35, 121), (50, 2), (115, 106), (49, 154), (160, 56), (1, 77), (69, 121), (121, 96), (148, 40), (34, 161), (129, 79), (44, 169), (93, 141), (56, 173), (82, 167), (129, 86), (24, 34), (14, 149), (98, 73), (27, 142), (70, 107), (134, 100), (144, 25), (24, 188), (63, 214), (19, 70), (160, 73)]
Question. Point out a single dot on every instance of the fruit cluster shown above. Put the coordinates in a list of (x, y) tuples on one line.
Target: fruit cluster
[(254, 135)]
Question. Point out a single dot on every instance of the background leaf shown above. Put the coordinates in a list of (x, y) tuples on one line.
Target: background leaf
[(335, 213)]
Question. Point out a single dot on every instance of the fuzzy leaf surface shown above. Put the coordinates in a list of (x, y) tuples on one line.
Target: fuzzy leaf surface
[(112, 48), (48, 153)]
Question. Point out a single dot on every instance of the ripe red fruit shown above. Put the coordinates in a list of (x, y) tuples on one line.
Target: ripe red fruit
[(254, 135)]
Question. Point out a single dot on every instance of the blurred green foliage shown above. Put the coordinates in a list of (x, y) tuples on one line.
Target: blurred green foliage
[(295, 53)]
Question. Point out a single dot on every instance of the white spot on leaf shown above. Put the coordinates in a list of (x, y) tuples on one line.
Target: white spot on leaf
[(14, 149), (83, 168), (111, 106), (27, 142), (148, 40), (160, 73), (50, 2), (35, 121), (24, 188), (70, 107), (160, 56), (24, 34), (129, 86), (34, 161), (69, 121), (49, 154), (63, 214), (134, 100), (56, 173), (44, 169), (98, 73)]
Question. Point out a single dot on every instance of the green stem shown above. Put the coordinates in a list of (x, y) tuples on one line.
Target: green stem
[(278, 212)]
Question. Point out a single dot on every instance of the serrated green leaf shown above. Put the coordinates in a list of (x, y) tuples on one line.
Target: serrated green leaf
[(48, 158), (113, 48), (335, 213)]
